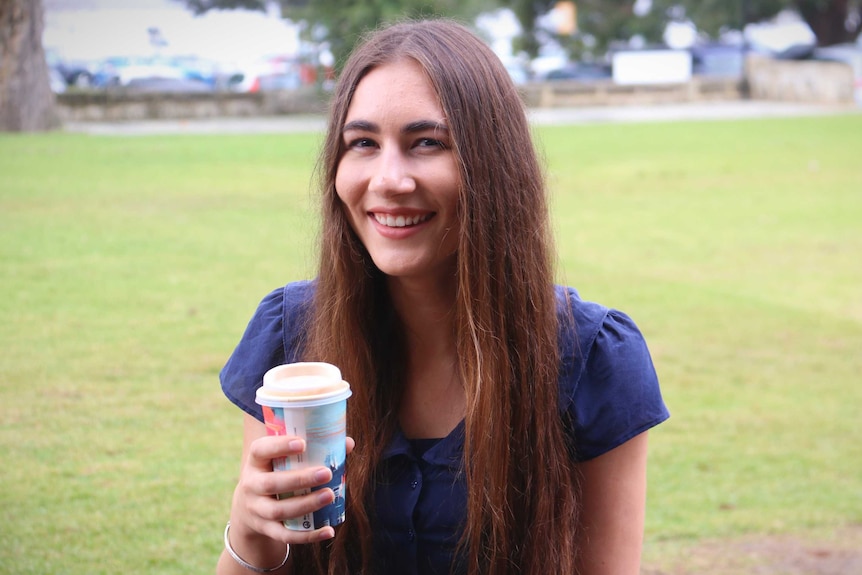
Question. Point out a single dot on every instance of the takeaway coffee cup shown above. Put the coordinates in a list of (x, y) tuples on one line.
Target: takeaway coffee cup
[(309, 400)]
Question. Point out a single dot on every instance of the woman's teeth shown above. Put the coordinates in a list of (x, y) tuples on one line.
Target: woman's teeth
[(400, 221)]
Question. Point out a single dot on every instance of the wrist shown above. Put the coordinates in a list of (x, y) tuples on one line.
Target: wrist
[(253, 551)]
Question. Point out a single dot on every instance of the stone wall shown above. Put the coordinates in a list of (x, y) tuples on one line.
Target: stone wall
[(800, 81), (573, 93), (767, 79), (119, 105)]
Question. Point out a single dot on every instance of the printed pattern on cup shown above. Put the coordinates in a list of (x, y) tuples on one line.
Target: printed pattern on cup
[(323, 428)]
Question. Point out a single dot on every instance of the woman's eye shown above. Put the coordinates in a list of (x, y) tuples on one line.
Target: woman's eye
[(430, 143), (361, 143)]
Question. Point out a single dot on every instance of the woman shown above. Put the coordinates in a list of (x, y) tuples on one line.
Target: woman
[(500, 422)]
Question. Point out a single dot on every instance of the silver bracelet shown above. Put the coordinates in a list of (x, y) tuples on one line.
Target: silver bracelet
[(245, 563)]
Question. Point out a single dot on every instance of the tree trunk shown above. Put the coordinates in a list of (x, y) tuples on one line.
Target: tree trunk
[(828, 21), (27, 103)]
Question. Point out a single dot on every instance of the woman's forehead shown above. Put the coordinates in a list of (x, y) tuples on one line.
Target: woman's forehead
[(396, 89)]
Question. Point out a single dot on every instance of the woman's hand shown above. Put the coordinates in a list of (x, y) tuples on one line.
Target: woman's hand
[(255, 497), (257, 532)]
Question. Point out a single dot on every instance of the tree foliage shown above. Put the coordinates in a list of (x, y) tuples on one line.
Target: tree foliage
[(347, 20), (527, 12), (202, 6), (599, 22), (833, 21), (344, 21), (607, 21)]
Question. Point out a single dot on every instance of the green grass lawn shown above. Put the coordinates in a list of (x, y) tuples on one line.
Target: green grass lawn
[(130, 266)]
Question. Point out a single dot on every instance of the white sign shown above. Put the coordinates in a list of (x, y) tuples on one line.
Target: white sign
[(652, 67)]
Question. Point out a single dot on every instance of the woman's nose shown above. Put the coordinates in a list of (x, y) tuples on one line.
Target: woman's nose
[(392, 174)]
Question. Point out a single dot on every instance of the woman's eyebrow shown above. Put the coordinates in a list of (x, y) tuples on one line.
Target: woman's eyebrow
[(362, 126), (423, 125)]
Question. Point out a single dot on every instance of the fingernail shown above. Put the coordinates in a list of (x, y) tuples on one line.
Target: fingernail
[(297, 445), (321, 475), (324, 496), (328, 533)]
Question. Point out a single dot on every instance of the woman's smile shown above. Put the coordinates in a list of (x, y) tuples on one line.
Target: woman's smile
[(400, 220)]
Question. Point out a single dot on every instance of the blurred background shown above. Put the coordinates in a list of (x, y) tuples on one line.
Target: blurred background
[(802, 50), (161, 45), (258, 46)]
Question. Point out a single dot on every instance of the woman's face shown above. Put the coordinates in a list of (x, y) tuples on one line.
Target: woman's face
[(398, 178)]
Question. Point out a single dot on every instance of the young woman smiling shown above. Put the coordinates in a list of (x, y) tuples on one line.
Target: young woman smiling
[(498, 422)]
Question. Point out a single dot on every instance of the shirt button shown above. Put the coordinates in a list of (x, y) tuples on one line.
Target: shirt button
[(414, 484), (411, 535)]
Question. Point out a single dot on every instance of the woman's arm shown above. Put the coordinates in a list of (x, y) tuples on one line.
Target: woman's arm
[(613, 496), (256, 530)]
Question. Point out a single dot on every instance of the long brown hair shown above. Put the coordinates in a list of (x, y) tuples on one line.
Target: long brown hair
[(522, 493)]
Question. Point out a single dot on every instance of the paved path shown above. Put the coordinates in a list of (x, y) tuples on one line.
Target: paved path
[(546, 116)]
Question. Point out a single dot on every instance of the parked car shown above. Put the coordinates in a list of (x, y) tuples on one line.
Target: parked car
[(580, 71), (74, 73), (156, 84), (58, 83), (199, 69), (155, 74), (267, 75), (107, 73), (721, 60)]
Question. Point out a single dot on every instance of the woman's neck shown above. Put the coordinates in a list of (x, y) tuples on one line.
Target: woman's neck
[(432, 401), (425, 309)]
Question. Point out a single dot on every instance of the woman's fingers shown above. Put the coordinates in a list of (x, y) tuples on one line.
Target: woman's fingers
[(291, 507), (272, 497), (273, 512), (271, 447), (284, 482), (279, 532), (264, 449)]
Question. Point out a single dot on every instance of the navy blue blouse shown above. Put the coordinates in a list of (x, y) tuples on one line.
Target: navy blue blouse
[(608, 386)]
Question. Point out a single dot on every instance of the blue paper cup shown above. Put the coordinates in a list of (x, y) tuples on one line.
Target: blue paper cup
[(309, 400)]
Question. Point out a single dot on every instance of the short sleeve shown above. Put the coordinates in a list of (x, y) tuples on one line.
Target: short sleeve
[(260, 349), (274, 335), (613, 394)]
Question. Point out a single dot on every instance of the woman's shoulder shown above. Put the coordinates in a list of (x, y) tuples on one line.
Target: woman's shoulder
[(277, 307), (272, 337), (608, 382), (298, 293), (586, 324)]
